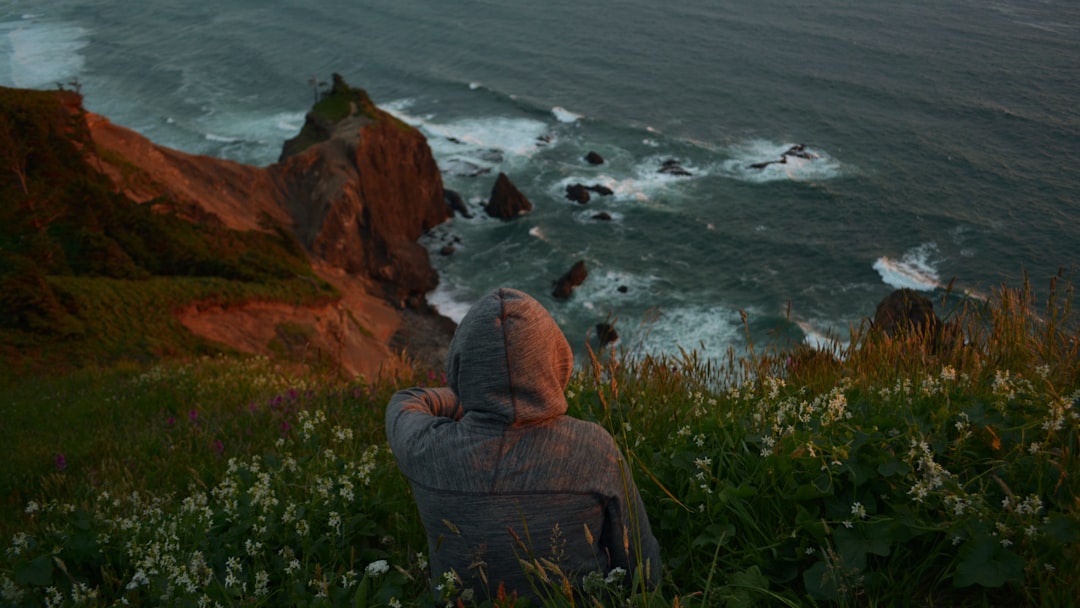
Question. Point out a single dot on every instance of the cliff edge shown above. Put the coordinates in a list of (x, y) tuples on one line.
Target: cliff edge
[(356, 187)]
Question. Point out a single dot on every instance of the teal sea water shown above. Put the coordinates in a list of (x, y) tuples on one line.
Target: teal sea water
[(944, 135)]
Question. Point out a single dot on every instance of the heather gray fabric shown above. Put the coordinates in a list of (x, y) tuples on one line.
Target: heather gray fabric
[(498, 469)]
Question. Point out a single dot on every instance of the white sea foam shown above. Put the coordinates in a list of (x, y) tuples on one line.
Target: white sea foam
[(451, 302), (793, 168), (221, 138), (564, 115), (820, 340), (914, 270), (480, 143), (707, 329), (44, 54)]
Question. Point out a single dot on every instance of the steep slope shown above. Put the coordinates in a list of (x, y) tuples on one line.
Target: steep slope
[(355, 190)]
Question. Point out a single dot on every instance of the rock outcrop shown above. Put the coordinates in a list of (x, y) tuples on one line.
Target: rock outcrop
[(565, 284), (506, 201), (907, 313), (357, 187), (905, 310), (606, 334)]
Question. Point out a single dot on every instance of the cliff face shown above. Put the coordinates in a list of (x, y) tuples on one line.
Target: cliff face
[(357, 187), (360, 200)]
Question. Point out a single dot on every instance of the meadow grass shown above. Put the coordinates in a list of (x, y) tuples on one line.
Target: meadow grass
[(889, 472)]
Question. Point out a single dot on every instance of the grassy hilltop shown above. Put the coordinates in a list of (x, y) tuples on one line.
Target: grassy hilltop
[(88, 276), (894, 474), (145, 466)]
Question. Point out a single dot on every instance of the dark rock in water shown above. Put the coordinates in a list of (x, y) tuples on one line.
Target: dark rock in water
[(577, 193), (796, 151), (603, 215), (907, 313), (506, 201), (671, 166), (762, 165), (800, 151), (447, 250), (491, 155), (905, 310), (463, 168), (544, 139), (601, 190), (456, 203), (623, 289), (594, 159), (606, 334), (573, 277)]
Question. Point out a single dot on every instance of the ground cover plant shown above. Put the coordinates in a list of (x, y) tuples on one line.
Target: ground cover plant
[(895, 471)]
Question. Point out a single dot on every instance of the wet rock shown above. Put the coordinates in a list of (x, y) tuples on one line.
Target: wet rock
[(594, 159), (578, 193), (906, 310), (671, 166), (506, 201), (606, 334), (603, 216), (456, 203), (565, 285)]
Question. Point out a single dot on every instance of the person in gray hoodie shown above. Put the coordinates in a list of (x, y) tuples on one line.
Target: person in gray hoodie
[(506, 482)]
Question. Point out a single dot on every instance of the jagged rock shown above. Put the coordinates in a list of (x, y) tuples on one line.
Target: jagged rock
[(594, 159), (800, 151), (906, 310), (606, 334), (447, 250), (565, 285), (671, 166), (797, 151), (357, 189), (603, 216), (456, 203), (506, 201), (577, 193), (601, 190)]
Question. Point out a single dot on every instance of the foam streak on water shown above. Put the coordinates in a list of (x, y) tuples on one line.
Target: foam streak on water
[(939, 138)]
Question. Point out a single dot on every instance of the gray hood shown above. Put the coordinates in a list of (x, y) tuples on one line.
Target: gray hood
[(509, 360)]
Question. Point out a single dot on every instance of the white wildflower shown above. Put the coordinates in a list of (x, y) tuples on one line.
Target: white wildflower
[(615, 576), (858, 510), (377, 568)]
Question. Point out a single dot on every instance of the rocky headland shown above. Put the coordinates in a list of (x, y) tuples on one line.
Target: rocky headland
[(356, 187)]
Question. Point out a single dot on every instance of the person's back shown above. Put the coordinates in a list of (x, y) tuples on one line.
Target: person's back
[(501, 475)]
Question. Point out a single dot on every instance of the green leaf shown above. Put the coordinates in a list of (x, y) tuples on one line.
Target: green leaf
[(853, 544), (715, 534), (37, 572), (820, 583), (894, 466), (984, 562), (810, 522)]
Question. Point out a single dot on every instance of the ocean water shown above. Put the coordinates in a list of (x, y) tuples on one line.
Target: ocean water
[(943, 138)]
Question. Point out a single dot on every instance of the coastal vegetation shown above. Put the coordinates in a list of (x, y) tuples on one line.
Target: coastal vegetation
[(89, 276), (893, 471)]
